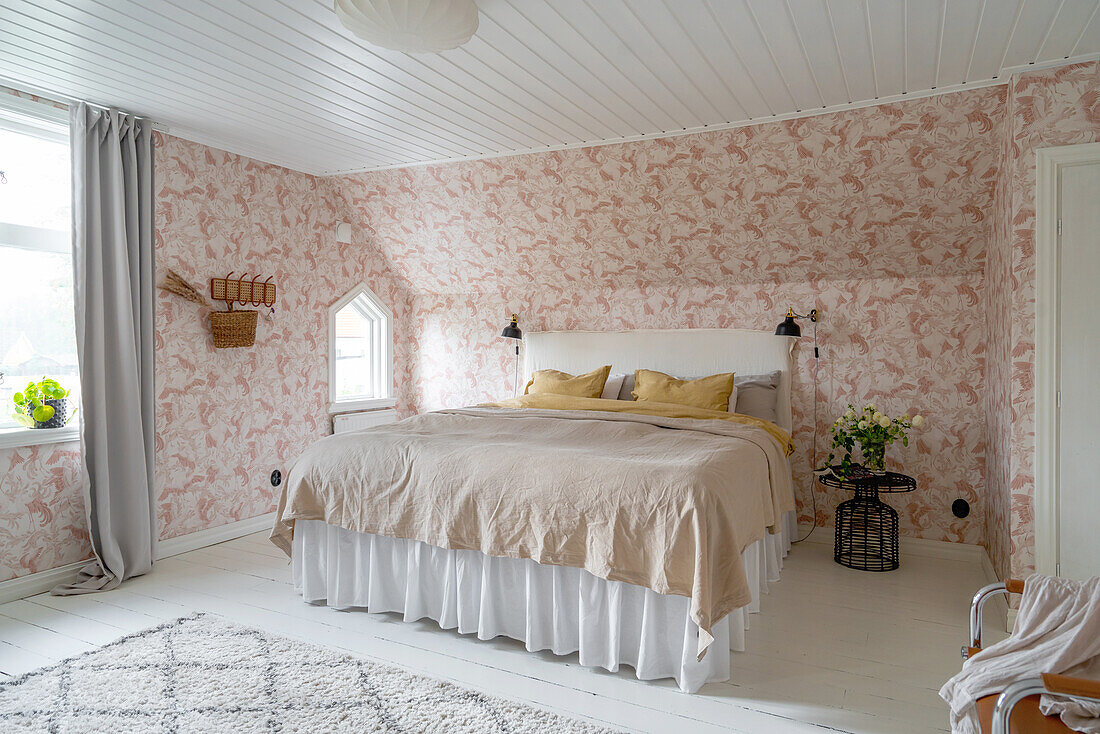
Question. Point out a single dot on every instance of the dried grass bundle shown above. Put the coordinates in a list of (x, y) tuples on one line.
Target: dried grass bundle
[(174, 283)]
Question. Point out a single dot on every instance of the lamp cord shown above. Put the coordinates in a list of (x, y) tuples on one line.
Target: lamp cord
[(813, 449)]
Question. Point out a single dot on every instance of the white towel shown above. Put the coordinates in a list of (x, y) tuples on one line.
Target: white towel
[(1057, 631)]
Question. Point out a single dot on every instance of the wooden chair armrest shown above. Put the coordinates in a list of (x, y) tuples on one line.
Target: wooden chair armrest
[(1068, 685), (1017, 691), (1014, 586)]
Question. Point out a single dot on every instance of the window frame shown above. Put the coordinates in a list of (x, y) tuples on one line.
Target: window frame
[(41, 120), (381, 353)]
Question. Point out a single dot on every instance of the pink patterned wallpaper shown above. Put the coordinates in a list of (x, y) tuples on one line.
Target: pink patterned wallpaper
[(227, 417), (882, 217), (878, 216), (998, 339), (882, 192), (1047, 108), (42, 518)]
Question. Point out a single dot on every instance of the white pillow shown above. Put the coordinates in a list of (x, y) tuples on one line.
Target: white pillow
[(731, 407), (612, 386)]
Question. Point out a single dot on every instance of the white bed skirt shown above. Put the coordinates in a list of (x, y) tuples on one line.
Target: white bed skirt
[(556, 608)]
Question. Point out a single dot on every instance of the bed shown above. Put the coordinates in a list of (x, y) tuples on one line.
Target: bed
[(630, 534)]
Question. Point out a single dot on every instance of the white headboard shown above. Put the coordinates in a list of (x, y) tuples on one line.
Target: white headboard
[(680, 352)]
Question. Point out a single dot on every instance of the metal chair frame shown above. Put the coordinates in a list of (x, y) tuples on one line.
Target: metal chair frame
[(1021, 689)]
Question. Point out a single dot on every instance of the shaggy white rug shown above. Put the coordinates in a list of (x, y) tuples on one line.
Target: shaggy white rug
[(204, 674)]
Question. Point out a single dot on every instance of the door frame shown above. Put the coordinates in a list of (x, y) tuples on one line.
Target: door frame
[(1048, 165)]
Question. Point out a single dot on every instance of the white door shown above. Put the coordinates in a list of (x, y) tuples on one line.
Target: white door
[(1078, 471)]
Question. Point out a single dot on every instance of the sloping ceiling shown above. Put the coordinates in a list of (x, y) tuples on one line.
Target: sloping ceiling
[(284, 82), (890, 191)]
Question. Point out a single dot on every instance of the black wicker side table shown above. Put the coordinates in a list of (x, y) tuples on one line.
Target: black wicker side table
[(867, 527)]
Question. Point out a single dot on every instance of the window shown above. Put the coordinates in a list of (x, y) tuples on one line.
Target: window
[(360, 352), (37, 333)]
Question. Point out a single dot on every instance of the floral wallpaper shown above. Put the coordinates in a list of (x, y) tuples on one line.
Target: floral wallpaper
[(878, 216), (882, 192), (910, 225), (227, 417), (42, 518), (998, 368), (1047, 108)]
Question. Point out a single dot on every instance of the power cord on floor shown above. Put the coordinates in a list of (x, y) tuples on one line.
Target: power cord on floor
[(813, 448)]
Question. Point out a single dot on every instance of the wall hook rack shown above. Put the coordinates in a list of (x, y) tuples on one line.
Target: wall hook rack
[(243, 291)]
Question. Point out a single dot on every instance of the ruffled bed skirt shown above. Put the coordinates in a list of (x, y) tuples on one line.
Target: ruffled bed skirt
[(556, 608)]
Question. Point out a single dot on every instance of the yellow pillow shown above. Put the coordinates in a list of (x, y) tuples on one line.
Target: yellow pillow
[(588, 385), (712, 393)]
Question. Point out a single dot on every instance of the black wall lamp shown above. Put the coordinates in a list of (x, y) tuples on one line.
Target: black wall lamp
[(512, 331), (790, 327)]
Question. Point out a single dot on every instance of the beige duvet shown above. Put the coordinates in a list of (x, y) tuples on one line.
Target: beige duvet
[(659, 496)]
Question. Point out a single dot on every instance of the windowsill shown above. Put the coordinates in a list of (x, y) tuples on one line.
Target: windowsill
[(350, 406), (15, 437)]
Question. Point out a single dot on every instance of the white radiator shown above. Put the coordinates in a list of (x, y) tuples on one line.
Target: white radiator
[(354, 421)]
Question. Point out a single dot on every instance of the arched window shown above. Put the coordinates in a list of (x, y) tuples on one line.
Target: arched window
[(360, 352)]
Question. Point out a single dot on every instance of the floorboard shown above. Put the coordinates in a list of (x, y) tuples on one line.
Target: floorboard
[(832, 650)]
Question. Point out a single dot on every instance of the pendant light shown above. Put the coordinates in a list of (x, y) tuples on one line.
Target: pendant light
[(412, 26)]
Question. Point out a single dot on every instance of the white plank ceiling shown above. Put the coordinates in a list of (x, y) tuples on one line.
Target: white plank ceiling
[(284, 82)]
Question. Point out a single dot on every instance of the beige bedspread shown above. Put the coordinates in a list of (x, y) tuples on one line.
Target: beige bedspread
[(664, 497)]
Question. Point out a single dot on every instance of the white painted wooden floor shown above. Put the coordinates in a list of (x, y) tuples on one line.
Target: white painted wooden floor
[(832, 650)]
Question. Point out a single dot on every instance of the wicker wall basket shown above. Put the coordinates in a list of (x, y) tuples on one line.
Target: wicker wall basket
[(233, 328)]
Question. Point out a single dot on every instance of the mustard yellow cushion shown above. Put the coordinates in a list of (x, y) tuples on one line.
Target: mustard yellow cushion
[(711, 393), (588, 385)]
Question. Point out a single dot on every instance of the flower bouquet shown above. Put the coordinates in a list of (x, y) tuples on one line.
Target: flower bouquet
[(873, 431)]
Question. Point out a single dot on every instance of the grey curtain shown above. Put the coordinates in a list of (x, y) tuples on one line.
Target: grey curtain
[(113, 287)]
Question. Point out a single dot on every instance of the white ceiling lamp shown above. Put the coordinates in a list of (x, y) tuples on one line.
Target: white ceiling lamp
[(410, 25)]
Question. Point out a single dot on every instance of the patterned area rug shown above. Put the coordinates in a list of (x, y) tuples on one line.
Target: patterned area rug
[(204, 674)]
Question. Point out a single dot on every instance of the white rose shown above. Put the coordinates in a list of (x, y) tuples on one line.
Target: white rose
[(872, 406), (850, 414), (883, 421), (877, 417), (863, 425), (918, 421)]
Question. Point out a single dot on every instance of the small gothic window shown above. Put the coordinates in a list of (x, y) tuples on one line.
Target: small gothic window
[(360, 348)]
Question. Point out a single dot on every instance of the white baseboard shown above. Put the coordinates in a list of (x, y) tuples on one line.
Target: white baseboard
[(43, 581), (940, 549), (38, 583), (211, 536), (916, 546)]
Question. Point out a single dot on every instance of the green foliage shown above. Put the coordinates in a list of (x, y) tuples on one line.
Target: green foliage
[(873, 431), (30, 405)]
